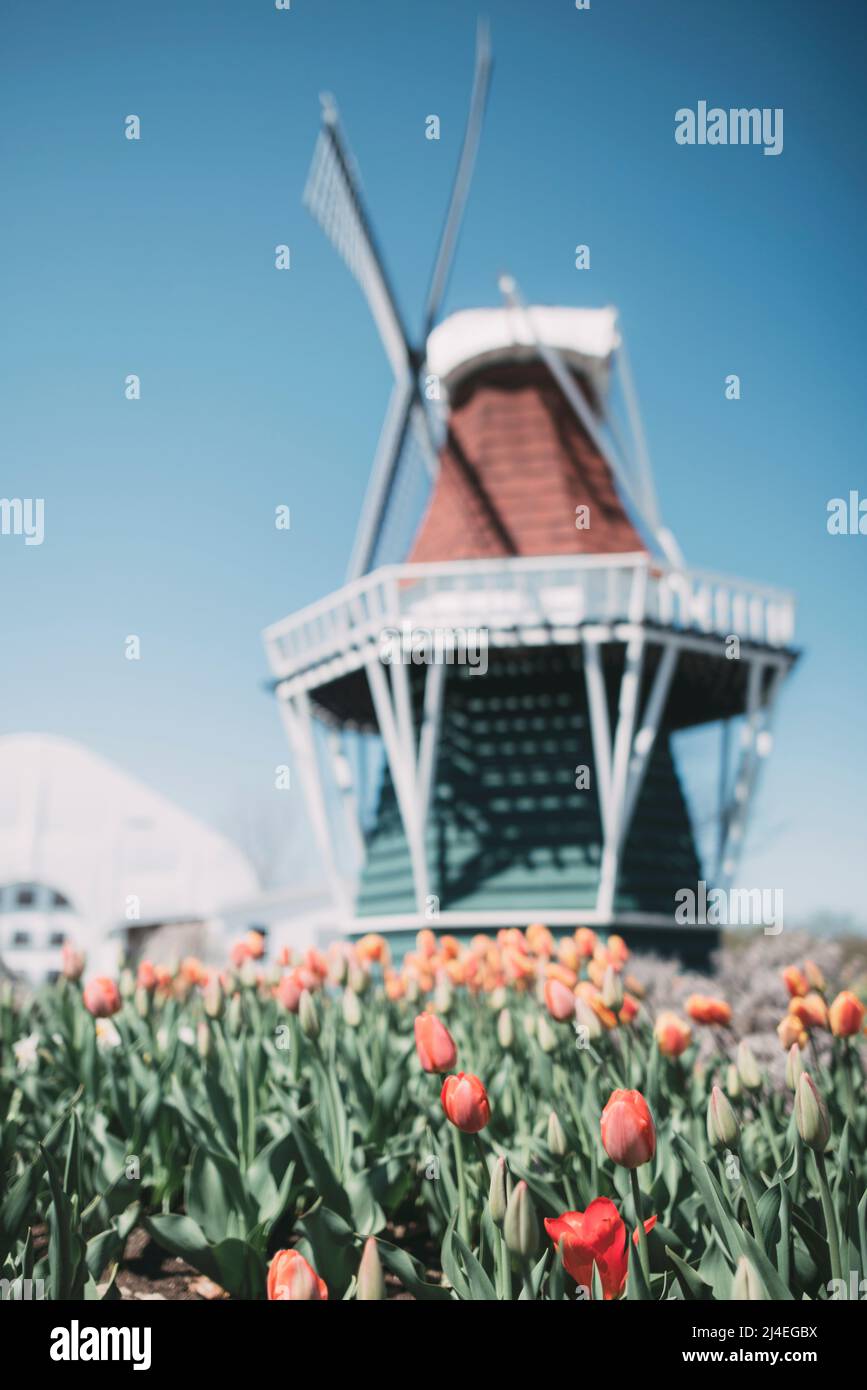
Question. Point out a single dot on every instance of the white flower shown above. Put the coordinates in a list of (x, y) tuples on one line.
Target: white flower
[(187, 1036), (106, 1033), (26, 1050)]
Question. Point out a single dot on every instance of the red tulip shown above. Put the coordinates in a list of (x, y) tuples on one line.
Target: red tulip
[(434, 1044), (290, 1278), (595, 1235), (465, 1101), (628, 1134), (559, 1000), (795, 981), (101, 996)]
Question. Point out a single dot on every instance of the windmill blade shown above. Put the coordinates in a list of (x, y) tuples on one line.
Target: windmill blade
[(388, 451), (463, 177), (333, 196)]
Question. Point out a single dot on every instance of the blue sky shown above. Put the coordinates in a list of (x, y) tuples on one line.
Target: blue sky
[(260, 388)]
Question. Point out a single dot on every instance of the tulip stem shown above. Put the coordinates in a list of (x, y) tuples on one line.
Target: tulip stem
[(769, 1130), (643, 1251), (463, 1218), (830, 1216), (847, 1076), (752, 1207)]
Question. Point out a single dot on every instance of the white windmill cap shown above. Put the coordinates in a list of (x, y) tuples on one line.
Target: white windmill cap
[(473, 337)]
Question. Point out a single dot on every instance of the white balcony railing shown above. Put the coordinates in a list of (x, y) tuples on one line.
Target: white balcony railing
[(527, 599)]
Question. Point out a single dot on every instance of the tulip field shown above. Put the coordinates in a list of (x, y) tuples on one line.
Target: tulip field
[(516, 1116)]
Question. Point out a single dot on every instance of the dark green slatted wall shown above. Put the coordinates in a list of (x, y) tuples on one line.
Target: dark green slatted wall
[(508, 829)]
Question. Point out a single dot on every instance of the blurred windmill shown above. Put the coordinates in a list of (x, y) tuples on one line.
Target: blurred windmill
[(541, 531)]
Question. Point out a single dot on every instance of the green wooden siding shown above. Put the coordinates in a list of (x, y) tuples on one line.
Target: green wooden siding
[(508, 829)]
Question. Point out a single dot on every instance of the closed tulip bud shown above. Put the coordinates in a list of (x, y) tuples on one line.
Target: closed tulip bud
[(811, 1114), (498, 998), (212, 998), (748, 1069), (412, 990), (359, 979), (545, 1034), (505, 1031), (794, 1067), (290, 1278), (747, 1285), (465, 1102), (142, 1002), (434, 1044), (612, 989), (628, 1132), (443, 996), (126, 984), (351, 1008), (499, 1192), (371, 1281), (529, 1022), (722, 1126), (733, 1081), (338, 969), (101, 997), (521, 1227), (556, 1138), (587, 1019), (559, 1000), (203, 1039), (308, 1015)]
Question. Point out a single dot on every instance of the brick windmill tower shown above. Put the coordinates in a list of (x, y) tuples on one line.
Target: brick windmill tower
[(518, 635)]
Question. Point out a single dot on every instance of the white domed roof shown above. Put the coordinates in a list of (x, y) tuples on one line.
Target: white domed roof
[(76, 824)]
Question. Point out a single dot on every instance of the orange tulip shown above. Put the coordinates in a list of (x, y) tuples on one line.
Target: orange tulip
[(585, 940), (673, 1035), (559, 1000), (372, 947), (791, 1030), (465, 1102), (628, 1133), (811, 1010), (434, 1044), (795, 980), (540, 940), (290, 1277), (846, 1015), (555, 971), (703, 1008), (618, 951), (426, 943), (101, 997), (814, 976)]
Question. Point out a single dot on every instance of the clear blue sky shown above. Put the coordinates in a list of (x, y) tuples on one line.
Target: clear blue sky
[(260, 388)]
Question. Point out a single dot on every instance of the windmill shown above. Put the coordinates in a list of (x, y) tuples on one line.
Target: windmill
[(539, 782)]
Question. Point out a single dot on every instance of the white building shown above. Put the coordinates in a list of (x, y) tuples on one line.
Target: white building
[(87, 851)]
